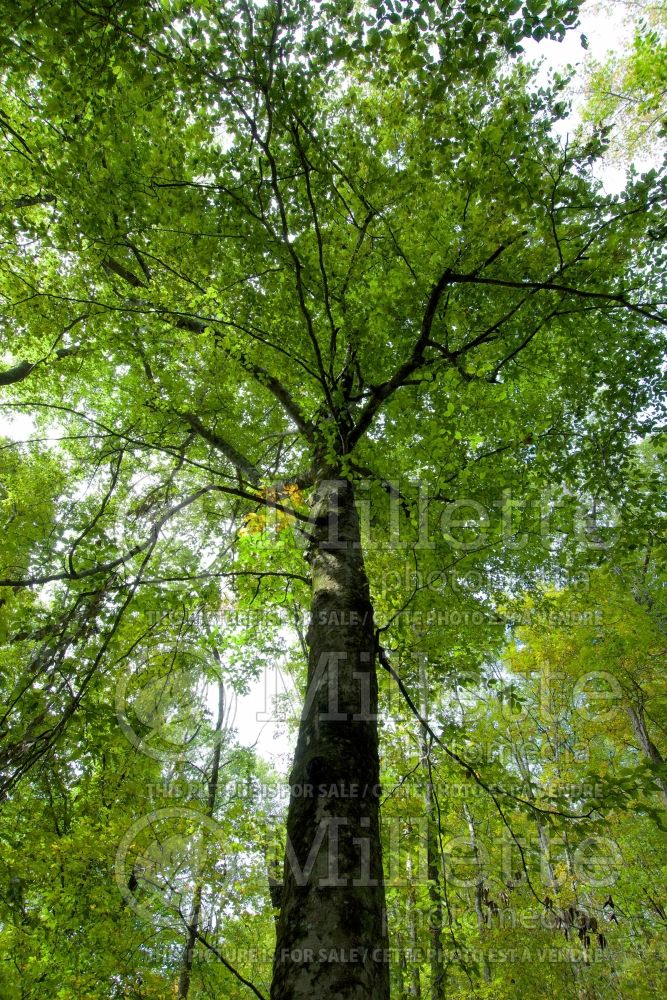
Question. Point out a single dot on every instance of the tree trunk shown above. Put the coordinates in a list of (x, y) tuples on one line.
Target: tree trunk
[(187, 957), (432, 856), (400, 967), (479, 894), (332, 939), (434, 893), (546, 866), (275, 885), (649, 748), (415, 988)]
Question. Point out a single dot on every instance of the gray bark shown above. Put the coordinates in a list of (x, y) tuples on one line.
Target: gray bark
[(331, 938)]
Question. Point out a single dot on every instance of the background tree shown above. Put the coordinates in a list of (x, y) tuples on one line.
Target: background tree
[(627, 90)]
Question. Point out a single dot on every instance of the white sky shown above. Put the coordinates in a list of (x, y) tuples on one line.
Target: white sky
[(608, 30), (258, 722)]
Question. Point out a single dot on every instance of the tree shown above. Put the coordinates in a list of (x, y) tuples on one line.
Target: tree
[(266, 264), (627, 90)]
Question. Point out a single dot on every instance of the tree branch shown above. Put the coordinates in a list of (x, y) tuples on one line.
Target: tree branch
[(228, 965), (21, 371), (153, 536), (550, 286), (244, 467)]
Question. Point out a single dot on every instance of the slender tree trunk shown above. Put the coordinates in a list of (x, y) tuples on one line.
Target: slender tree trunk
[(274, 872), (415, 987), (546, 866), (650, 750), (188, 955), (434, 892), (332, 939), (194, 918), (432, 855), (479, 892), (275, 885), (401, 966)]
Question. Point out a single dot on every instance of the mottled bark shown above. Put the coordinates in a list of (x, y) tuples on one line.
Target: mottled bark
[(331, 939)]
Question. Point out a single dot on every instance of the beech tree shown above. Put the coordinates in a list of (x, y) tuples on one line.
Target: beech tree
[(307, 304)]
